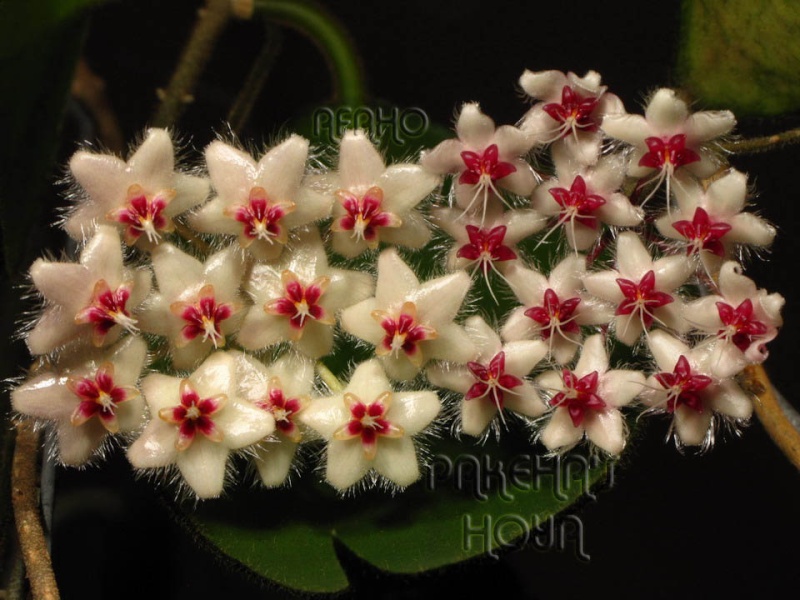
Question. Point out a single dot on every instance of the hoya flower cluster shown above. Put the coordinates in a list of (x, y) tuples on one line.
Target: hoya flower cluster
[(206, 306)]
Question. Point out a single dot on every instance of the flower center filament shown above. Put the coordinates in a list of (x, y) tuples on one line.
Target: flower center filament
[(642, 298), (576, 205), (364, 216), (106, 309), (740, 326), (683, 386), (579, 396), (702, 234), (194, 415), (283, 409), (99, 396), (143, 214), (203, 317), (368, 422), (555, 315), (668, 153), (261, 218), (574, 112), (300, 303), (492, 381), (403, 333)]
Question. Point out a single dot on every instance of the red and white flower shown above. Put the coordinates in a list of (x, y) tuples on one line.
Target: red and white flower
[(569, 111), (370, 427), (87, 398), (486, 161), (643, 290), (141, 196), (687, 387), (197, 304), (298, 299), (197, 422), (495, 380), (586, 401), (553, 308), (261, 202), (94, 299), (410, 323)]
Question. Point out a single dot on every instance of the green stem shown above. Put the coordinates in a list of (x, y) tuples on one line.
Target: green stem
[(322, 28), (763, 144), (329, 378)]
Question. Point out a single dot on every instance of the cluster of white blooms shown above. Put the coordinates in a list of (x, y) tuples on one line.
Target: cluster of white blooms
[(199, 317)]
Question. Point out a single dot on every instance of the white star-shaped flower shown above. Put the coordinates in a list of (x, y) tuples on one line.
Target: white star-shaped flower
[(374, 203), (741, 318), (87, 398), (197, 304), (197, 422), (141, 196), (410, 323), (297, 300), (582, 198), (261, 202), (687, 388), (642, 290), (587, 399), (282, 389), (93, 299), (485, 159), (495, 380), (370, 427), (554, 307), (711, 221), (569, 111)]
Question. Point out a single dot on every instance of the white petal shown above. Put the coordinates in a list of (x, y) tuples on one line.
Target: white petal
[(619, 387), (690, 426), (560, 432), (528, 285), (104, 177), (203, 467), (476, 414), (453, 344), (325, 415), (211, 218), (666, 113), (729, 399), (518, 326), (457, 379), (666, 349), (603, 284), (155, 447), (521, 182), (628, 328), (176, 272), (521, 224), (360, 163), (281, 169), (347, 288), (525, 400), (564, 347), (45, 396), (397, 460), (522, 356), (726, 196), (511, 142), (632, 129), (77, 444), (274, 460), (413, 233), (190, 191), (67, 284), (606, 430), (439, 300), (543, 85), (413, 411), (346, 463), (474, 128), (160, 391), (243, 424), (317, 340), (396, 281), (487, 342), (232, 172), (357, 320), (633, 259), (400, 368), (735, 286), (310, 206), (708, 125), (747, 228), (444, 158), (580, 237), (102, 255), (224, 270), (405, 186), (619, 211), (593, 357)]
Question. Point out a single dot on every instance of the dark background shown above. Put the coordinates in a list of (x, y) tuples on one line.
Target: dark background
[(673, 526)]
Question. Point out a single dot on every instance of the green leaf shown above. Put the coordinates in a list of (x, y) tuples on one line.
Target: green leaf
[(742, 55), (287, 536)]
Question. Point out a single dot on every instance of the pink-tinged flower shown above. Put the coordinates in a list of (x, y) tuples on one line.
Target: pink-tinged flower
[(197, 422), (141, 196), (553, 308), (569, 111), (587, 399), (483, 247), (297, 300), (582, 199), (495, 380), (410, 323), (642, 290), (711, 221), (486, 160), (283, 389), (687, 387), (370, 427), (741, 318), (375, 203), (668, 140), (94, 299), (197, 304), (260, 202), (86, 398)]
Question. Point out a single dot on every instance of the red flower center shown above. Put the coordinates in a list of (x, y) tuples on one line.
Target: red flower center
[(203, 317), (194, 414), (99, 396), (144, 215), (576, 204), (403, 333), (368, 421), (300, 303), (574, 112), (492, 381), (283, 409), (740, 325), (642, 298), (702, 234), (107, 308), (683, 386), (484, 167), (365, 215), (261, 218), (555, 315), (668, 153), (486, 246), (579, 396)]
